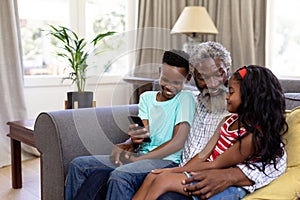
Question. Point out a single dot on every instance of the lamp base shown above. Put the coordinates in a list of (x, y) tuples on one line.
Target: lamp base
[(190, 46)]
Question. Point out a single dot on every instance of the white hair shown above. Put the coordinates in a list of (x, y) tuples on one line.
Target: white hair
[(212, 50)]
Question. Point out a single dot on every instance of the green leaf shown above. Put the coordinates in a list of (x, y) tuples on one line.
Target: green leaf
[(101, 36)]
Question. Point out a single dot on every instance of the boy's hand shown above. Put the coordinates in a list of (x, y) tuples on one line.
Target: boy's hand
[(119, 150), (137, 141), (136, 134), (122, 153), (131, 157)]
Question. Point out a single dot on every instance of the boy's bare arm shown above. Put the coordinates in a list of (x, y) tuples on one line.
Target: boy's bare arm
[(180, 133)]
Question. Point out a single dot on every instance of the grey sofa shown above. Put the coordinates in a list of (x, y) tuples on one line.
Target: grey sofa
[(291, 88), (63, 135)]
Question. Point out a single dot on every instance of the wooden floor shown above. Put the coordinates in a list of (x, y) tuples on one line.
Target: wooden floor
[(31, 182)]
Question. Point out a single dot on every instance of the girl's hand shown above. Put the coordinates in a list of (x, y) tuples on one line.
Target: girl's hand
[(164, 170), (158, 171), (168, 170)]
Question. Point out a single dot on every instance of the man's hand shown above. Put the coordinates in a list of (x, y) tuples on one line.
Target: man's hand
[(211, 182)]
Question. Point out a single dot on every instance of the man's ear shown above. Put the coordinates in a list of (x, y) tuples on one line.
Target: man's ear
[(159, 71), (224, 75), (188, 77)]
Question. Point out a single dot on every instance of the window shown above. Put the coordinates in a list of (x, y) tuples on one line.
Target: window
[(86, 17), (37, 50), (284, 38)]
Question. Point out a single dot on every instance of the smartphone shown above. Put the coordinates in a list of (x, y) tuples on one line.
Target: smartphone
[(137, 120)]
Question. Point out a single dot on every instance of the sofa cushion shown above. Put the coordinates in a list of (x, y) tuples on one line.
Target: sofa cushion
[(293, 138), (287, 186), (284, 187)]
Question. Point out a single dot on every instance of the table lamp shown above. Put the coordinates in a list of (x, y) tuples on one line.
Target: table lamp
[(192, 21)]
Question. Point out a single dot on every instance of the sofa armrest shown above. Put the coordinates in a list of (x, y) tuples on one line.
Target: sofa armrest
[(63, 135)]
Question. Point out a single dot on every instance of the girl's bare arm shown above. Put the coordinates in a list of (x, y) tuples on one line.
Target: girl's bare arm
[(237, 153), (195, 163), (234, 155)]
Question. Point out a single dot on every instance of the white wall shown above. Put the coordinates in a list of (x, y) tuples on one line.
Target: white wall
[(49, 94)]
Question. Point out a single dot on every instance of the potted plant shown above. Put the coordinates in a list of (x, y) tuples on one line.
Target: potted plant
[(76, 51)]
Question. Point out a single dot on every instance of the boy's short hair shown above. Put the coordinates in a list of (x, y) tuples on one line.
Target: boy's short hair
[(177, 58)]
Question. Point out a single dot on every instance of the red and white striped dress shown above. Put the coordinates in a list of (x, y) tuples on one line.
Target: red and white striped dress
[(227, 137)]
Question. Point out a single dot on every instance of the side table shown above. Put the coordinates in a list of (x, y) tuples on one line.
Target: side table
[(19, 131)]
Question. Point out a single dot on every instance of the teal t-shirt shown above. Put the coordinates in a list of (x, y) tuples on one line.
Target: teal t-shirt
[(163, 116)]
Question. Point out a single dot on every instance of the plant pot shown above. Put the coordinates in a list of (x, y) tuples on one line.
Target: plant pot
[(79, 100)]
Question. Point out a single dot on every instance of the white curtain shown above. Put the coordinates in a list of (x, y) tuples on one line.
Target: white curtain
[(241, 25), (242, 29), (12, 101), (155, 19)]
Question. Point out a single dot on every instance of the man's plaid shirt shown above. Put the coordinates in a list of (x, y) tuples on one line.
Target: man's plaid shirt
[(204, 125)]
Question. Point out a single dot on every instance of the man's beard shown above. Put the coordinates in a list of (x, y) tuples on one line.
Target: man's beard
[(213, 103)]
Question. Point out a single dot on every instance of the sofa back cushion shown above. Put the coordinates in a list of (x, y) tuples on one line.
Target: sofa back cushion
[(292, 100)]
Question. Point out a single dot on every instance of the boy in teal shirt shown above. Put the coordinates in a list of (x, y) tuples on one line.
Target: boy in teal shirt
[(167, 114)]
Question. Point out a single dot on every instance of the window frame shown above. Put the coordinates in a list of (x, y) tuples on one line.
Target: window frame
[(77, 23)]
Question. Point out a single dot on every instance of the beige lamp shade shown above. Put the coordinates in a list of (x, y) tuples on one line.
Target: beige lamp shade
[(194, 19)]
